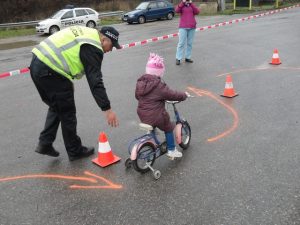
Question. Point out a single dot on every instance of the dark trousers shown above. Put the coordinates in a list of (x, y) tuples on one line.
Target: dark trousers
[(58, 93)]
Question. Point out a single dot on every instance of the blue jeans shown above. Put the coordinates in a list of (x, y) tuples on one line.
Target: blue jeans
[(186, 36), (170, 141)]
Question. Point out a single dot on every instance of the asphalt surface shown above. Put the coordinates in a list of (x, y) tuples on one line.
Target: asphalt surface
[(249, 175)]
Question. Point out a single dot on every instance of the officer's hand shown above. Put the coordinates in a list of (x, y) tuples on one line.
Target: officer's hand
[(111, 118)]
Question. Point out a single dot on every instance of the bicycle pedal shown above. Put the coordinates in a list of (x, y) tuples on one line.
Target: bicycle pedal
[(171, 158)]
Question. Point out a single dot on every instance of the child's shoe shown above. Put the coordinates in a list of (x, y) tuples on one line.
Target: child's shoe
[(174, 154)]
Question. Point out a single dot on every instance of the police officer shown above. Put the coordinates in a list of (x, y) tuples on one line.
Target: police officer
[(59, 60)]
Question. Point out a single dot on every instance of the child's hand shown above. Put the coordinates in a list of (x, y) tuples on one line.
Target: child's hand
[(188, 94)]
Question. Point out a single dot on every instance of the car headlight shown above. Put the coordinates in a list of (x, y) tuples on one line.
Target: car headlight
[(41, 25), (131, 15)]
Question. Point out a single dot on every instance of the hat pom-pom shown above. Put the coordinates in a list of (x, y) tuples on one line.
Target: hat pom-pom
[(157, 60)]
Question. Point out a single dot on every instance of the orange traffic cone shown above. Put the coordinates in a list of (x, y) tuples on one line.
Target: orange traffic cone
[(275, 58), (229, 91), (105, 155)]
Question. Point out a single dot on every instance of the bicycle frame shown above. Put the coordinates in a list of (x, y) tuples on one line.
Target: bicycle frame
[(177, 116), (179, 121)]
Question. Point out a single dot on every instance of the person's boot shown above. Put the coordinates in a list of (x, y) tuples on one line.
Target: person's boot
[(177, 62), (85, 152), (47, 150), (189, 61)]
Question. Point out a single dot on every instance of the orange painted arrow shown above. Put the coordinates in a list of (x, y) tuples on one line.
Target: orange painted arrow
[(200, 92), (109, 184)]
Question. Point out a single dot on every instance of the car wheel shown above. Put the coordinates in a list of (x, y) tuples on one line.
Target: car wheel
[(141, 19), (53, 29), (170, 16), (91, 24)]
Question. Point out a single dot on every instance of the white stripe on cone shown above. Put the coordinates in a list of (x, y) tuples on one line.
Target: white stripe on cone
[(228, 85), (275, 56), (104, 147)]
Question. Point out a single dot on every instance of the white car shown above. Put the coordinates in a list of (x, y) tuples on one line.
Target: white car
[(68, 17)]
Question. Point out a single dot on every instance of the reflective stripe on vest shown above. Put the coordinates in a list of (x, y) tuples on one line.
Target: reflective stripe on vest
[(45, 53)]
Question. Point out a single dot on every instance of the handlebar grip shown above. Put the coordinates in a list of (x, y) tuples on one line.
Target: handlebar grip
[(172, 102)]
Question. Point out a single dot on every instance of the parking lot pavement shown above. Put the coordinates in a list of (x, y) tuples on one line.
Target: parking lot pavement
[(250, 175)]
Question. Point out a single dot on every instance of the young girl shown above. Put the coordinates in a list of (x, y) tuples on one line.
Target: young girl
[(151, 93)]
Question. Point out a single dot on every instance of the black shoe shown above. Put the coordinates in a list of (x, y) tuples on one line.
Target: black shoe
[(47, 150), (85, 152), (189, 60), (177, 62)]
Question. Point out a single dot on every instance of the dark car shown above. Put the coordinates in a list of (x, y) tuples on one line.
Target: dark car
[(150, 10)]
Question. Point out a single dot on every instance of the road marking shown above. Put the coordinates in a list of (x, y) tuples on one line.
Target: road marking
[(257, 69), (200, 92), (109, 184)]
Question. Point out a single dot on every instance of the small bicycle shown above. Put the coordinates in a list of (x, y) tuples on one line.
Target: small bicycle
[(145, 149)]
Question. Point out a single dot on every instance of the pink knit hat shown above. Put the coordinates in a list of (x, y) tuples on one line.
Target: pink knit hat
[(155, 65)]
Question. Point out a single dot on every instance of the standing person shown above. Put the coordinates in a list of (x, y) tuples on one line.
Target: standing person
[(187, 27), (151, 93), (57, 62)]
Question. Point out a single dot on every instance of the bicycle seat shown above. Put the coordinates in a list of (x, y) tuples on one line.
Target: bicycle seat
[(146, 127), (172, 102)]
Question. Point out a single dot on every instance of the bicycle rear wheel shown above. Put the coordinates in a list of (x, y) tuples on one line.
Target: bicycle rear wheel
[(145, 156), (186, 134)]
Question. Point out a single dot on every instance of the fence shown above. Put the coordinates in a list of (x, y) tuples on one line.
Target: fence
[(258, 4)]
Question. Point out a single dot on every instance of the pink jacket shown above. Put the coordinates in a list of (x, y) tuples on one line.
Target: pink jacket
[(187, 17)]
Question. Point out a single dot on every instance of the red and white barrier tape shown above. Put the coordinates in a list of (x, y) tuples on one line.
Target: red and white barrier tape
[(164, 37), (15, 72)]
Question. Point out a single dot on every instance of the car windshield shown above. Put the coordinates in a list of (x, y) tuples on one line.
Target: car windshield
[(58, 14), (143, 5)]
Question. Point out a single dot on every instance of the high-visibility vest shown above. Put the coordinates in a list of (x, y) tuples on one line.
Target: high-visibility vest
[(60, 51)]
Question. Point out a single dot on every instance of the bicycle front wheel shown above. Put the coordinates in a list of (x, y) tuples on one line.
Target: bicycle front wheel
[(186, 134)]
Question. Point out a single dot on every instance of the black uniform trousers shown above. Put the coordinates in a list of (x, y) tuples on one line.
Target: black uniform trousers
[(58, 93)]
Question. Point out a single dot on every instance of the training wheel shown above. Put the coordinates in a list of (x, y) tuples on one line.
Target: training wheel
[(156, 174), (128, 163)]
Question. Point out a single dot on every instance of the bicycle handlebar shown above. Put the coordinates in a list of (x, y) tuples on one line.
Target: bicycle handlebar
[(175, 102)]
